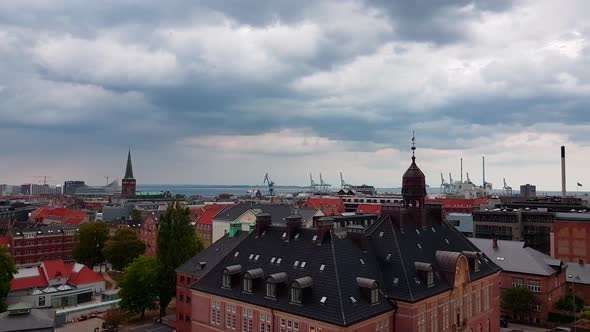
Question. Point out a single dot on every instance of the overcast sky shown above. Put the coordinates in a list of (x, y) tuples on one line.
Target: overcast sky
[(221, 92)]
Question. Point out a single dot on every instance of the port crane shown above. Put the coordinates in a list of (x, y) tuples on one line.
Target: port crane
[(507, 188), (271, 185), (444, 186), (323, 185), (343, 184), (44, 177)]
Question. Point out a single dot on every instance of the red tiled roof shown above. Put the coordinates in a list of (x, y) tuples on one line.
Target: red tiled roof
[(330, 206), (29, 282), (209, 212), (369, 208), (84, 276), (64, 215), (57, 268), (75, 274)]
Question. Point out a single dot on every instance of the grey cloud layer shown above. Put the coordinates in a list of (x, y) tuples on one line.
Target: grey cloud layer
[(361, 72)]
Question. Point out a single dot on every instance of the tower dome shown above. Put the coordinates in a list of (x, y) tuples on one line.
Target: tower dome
[(414, 182)]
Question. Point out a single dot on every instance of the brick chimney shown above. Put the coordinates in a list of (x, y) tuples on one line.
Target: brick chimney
[(324, 225), (263, 221), (357, 234), (495, 243), (293, 222)]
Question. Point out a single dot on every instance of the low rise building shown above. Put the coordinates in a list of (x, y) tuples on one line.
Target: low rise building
[(578, 280), (330, 206), (526, 267), (55, 284), (462, 221), (31, 245), (58, 215), (204, 221), (22, 317)]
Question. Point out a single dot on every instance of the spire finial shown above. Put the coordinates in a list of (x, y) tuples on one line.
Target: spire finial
[(413, 146)]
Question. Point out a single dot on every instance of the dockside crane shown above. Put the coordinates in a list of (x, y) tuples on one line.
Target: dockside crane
[(44, 177), (507, 188), (323, 185), (271, 185)]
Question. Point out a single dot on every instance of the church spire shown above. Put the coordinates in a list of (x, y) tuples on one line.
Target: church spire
[(129, 169), (414, 181)]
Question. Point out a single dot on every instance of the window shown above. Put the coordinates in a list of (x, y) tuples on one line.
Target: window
[(271, 290), (41, 301), (486, 295), (296, 295), (374, 295), (535, 286), (230, 316), (181, 298), (517, 282), (188, 280), (215, 312), (421, 322), (468, 304), (477, 301), (315, 329), (248, 285), (247, 320), (226, 281), (537, 307), (382, 326), (434, 319), (181, 278), (188, 299), (265, 320), (430, 279)]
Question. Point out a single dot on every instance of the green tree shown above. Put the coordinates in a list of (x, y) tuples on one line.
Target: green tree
[(122, 248), (7, 272), (91, 237), (139, 286), (136, 215), (177, 243), (569, 302), (518, 300)]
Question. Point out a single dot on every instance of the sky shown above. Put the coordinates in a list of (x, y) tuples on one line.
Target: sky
[(222, 92)]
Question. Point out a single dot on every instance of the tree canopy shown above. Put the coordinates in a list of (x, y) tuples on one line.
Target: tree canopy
[(122, 248), (7, 272), (177, 243), (136, 215), (518, 300), (92, 237), (139, 286), (571, 302)]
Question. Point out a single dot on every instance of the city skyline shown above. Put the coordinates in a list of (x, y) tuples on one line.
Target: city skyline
[(214, 93)]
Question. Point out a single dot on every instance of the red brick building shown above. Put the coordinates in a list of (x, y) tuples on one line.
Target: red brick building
[(148, 233), (571, 237), (408, 271), (30, 246), (578, 280), (526, 267)]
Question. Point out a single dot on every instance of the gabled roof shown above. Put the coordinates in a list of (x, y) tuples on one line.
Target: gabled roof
[(28, 278), (513, 256), (83, 275), (71, 273), (55, 268), (41, 320), (278, 212), (578, 273), (329, 205), (66, 216), (209, 211)]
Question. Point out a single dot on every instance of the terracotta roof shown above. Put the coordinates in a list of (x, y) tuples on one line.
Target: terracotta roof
[(56, 268), (66, 216), (328, 205), (31, 280), (208, 212), (84, 276), (369, 208)]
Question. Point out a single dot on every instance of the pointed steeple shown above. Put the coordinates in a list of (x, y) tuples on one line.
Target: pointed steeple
[(414, 181), (129, 169)]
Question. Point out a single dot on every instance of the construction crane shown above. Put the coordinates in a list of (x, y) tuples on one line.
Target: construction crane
[(468, 179), (507, 188), (44, 177), (107, 178), (271, 185)]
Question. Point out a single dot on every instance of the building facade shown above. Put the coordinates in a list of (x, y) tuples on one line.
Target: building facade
[(29, 246), (534, 227), (408, 271), (571, 233), (71, 186), (528, 190), (148, 233), (526, 267)]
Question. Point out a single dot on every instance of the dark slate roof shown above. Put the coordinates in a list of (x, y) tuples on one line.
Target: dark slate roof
[(37, 320), (578, 273), (278, 212), (513, 256), (129, 168), (345, 261), (210, 255)]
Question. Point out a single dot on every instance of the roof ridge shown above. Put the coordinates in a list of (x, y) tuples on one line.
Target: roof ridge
[(337, 277), (401, 259)]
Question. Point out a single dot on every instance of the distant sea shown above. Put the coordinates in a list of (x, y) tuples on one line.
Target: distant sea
[(214, 190)]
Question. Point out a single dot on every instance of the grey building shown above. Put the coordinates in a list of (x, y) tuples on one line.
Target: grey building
[(21, 317), (71, 186), (531, 226), (463, 222), (528, 190)]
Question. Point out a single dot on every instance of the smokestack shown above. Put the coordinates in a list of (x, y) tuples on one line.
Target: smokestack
[(483, 160), (461, 170), (563, 190)]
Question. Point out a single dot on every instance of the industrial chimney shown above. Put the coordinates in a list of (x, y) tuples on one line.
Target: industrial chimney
[(563, 191)]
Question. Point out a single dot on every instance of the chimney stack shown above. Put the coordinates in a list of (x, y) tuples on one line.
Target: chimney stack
[(263, 221), (495, 243), (357, 234), (293, 222), (563, 189), (324, 225), (581, 261), (461, 170)]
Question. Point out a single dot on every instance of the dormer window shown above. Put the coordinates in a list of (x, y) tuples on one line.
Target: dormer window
[(250, 277), (271, 290), (272, 283), (473, 258), (374, 295), (229, 274), (425, 273), (298, 286), (369, 289)]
